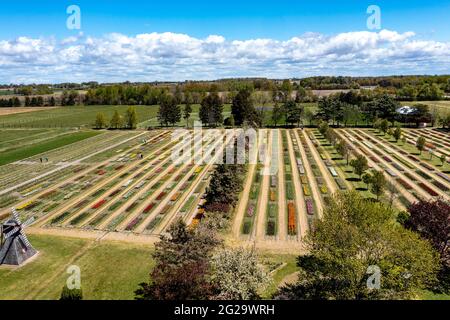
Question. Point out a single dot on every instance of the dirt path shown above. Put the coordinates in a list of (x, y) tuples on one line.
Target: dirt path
[(401, 174), (282, 217), (310, 175), (243, 201), (259, 231), (323, 169), (302, 219), (66, 165)]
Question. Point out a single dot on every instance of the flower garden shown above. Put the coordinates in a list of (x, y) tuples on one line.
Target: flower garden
[(106, 185)]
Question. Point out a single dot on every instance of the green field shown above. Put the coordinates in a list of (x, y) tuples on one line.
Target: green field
[(109, 270), (70, 117), (19, 153)]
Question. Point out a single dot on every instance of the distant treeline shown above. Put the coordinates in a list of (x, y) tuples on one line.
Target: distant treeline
[(401, 88), (236, 84)]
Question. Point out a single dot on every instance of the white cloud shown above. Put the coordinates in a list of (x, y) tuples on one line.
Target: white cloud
[(172, 56)]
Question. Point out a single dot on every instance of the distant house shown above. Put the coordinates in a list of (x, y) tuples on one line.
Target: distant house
[(417, 115)]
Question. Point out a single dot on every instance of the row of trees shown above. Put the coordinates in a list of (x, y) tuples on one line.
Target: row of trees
[(67, 98), (128, 121)]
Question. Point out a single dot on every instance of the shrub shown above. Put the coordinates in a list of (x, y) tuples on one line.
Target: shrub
[(270, 228)]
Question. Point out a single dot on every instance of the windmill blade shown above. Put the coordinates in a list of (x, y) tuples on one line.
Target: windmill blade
[(16, 215), (24, 239), (12, 232), (28, 222)]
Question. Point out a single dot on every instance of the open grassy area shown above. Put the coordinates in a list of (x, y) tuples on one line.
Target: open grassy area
[(442, 107), (44, 146), (69, 117), (84, 116), (109, 270)]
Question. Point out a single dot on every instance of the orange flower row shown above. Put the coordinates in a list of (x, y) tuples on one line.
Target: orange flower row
[(292, 225)]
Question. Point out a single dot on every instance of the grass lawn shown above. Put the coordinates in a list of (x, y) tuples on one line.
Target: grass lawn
[(109, 270), (282, 265), (44, 146), (69, 117)]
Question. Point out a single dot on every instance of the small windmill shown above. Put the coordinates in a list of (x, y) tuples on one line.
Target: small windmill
[(15, 249)]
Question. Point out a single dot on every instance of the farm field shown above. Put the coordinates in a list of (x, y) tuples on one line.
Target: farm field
[(84, 116), (124, 184), (110, 197), (70, 117), (27, 148), (17, 110)]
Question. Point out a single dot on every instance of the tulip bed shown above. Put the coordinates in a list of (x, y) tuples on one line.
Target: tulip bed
[(252, 204)]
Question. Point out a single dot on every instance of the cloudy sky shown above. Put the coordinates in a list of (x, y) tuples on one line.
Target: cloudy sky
[(179, 40)]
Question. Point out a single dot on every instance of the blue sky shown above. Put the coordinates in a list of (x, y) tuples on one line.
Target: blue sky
[(278, 19), (170, 40)]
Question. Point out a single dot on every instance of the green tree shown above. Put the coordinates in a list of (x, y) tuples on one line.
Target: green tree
[(343, 149), (293, 112), (360, 165), (367, 179), (115, 122), (323, 128), (187, 113), (100, 121), (286, 89), (182, 270), (242, 107), (420, 144), (309, 116), (351, 114), (169, 111), (131, 118), (384, 126), (211, 110), (378, 182), (354, 237), (397, 133), (277, 114)]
